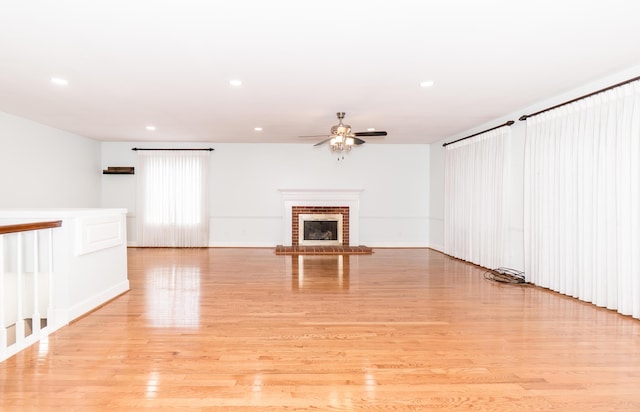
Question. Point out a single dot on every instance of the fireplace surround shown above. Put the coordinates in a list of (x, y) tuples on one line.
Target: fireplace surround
[(337, 214), (310, 201)]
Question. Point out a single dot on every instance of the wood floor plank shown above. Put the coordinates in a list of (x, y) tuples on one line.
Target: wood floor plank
[(397, 330)]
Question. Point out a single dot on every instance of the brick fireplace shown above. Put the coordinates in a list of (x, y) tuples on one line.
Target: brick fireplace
[(312, 201), (296, 211)]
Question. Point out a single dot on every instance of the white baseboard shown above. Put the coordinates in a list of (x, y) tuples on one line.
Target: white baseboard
[(93, 302), (439, 248)]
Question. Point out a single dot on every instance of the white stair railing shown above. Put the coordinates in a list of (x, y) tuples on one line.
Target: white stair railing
[(24, 289)]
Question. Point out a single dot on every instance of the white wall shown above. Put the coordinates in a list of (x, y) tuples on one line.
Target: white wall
[(43, 167), (246, 207), (515, 252)]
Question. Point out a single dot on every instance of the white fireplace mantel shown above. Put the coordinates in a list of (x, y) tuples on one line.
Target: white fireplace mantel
[(322, 197)]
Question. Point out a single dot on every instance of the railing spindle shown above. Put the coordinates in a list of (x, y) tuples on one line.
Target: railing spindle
[(3, 329), (20, 293), (51, 317), (35, 318)]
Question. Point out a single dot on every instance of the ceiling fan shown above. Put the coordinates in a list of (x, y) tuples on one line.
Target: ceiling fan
[(342, 138)]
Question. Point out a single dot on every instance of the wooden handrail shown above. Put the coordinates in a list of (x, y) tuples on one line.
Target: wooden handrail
[(25, 227)]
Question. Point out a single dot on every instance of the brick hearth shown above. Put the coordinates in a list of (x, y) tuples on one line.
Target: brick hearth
[(323, 250)]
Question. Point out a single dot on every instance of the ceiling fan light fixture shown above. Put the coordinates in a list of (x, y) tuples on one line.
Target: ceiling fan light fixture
[(345, 129), (342, 139)]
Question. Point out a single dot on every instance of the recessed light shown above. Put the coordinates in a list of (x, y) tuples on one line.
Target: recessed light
[(150, 128), (59, 81), (427, 83), (257, 129), (371, 129), (235, 82)]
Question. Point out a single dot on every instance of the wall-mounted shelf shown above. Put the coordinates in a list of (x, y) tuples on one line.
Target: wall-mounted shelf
[(118, 170)]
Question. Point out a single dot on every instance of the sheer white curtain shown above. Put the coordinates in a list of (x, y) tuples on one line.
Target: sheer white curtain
[(172, 202), (475, 215), (582, 199)]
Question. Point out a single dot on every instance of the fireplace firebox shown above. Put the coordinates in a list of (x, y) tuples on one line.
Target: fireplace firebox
[(319, 229)]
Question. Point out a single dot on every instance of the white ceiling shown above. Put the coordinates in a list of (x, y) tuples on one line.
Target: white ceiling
[(133, 63)]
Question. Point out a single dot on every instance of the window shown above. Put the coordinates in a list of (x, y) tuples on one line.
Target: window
[(172, 204)]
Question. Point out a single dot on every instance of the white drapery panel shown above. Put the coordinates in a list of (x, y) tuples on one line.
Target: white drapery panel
[(475, 215), (582, 199), (172, 201)]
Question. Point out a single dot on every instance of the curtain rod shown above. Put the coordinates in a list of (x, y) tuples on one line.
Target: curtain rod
[(509, 123), (139, 148), (524, 117)]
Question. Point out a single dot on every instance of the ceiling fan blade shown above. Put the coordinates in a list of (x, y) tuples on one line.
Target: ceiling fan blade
[(358, 141), (376, 133), (322, 142)]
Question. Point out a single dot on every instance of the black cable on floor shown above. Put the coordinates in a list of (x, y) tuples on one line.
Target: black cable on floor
[(505, 275)]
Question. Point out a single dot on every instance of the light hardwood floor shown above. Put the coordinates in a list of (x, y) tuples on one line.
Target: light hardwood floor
[(399, 330)]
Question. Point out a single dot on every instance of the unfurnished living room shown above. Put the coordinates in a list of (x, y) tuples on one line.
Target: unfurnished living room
[(319, 206)]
